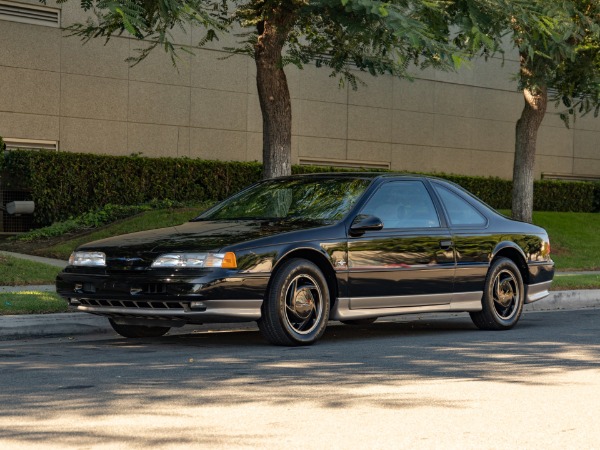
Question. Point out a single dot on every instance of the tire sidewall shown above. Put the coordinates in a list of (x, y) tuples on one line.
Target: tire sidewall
[(488, 298), (280, 286)]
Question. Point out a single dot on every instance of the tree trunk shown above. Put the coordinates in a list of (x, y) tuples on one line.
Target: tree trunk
[(527, 128), (274, 96)]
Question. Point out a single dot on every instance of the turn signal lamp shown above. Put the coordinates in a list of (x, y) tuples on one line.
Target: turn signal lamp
[(229, 261)]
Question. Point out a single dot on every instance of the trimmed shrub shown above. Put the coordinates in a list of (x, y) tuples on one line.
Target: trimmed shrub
[(67, 184), (548, 195), (572, 196)]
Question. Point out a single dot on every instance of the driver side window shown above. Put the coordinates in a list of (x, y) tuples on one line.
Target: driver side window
[(403, 204)]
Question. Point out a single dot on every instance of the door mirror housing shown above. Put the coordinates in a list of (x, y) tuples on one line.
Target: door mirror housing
[(365, 222)]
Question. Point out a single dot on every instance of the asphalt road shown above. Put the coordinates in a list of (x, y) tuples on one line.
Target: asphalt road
[(429, 383)]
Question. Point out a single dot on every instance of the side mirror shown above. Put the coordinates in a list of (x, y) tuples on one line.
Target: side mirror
[(365, 222)]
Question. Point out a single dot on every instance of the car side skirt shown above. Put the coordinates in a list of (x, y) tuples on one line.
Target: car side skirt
[(461, 301), (537, 291)]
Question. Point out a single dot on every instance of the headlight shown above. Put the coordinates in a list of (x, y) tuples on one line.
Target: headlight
[(191, 260), (95, 259)]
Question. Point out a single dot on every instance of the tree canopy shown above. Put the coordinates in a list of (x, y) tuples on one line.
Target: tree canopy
[(375, 36), (558, 43), (345, 36)]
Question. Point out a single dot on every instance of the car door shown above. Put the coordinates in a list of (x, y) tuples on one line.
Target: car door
[(473, 243), (410, 261)]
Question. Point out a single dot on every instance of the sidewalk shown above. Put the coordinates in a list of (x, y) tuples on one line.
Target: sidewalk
[(50, 261)]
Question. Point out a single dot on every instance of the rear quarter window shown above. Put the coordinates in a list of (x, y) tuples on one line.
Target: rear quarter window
[(460, 212)]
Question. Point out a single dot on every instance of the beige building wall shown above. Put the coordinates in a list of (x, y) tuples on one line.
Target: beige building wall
[(88, 99)]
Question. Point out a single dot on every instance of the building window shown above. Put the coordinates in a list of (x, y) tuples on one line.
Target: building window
[(31, 14), (29, 144), (343, 163)]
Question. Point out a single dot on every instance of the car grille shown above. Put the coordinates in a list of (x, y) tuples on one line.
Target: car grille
[(123, 264), (156, 288), (133, 304)]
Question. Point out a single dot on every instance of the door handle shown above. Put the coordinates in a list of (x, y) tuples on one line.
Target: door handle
[(446, 244)]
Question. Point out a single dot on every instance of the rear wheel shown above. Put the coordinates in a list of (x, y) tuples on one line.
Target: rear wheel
[(296, 307), (503, 297), (138, 331)]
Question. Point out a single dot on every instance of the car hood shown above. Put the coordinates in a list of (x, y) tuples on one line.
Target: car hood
[(194, 236)]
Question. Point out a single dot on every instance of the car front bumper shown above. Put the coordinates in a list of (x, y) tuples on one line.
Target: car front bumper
[(165, 300)]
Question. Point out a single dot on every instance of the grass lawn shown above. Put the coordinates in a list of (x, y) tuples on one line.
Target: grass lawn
[(28, 302), (571, 282), (574, 238), (20, 272)]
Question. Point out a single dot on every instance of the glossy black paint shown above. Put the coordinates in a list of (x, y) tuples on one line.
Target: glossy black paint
[(369, 263)]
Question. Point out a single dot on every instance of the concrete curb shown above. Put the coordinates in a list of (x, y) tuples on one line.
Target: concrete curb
[(38, 288), (74, 324), (60, 324), (563, 300)]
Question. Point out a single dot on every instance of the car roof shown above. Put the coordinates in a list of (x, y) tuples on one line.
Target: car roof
[(374, 175), (355, 175)]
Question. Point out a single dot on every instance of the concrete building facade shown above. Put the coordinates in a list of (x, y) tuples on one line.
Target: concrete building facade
[(57, 93)]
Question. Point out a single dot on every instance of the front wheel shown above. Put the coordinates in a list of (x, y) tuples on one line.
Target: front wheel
[(138, 331), (503, 297), (296, 307)]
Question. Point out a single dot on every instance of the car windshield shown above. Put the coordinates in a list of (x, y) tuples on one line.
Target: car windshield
[(307, 199)]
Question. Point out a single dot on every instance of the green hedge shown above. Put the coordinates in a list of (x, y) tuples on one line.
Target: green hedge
[(66, 184), (548, 195)]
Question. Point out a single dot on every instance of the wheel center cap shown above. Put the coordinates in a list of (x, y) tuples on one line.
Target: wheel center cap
[(303, 303), (505, 294)]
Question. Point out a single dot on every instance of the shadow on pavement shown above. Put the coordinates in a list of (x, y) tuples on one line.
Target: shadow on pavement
[(349, 366)]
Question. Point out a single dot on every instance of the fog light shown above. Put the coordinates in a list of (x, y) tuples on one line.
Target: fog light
[(196, 288), (197, 305)]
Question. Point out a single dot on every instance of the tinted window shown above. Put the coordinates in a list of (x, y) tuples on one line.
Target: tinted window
[(403, 204), (301, 199), (460, 212)]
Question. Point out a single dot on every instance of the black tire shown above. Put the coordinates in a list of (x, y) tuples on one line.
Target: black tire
[(296, 307), (358, 322), (503, 297), (138, 331)]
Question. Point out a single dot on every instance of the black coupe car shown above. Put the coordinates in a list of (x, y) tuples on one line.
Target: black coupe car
[(292, 253)]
